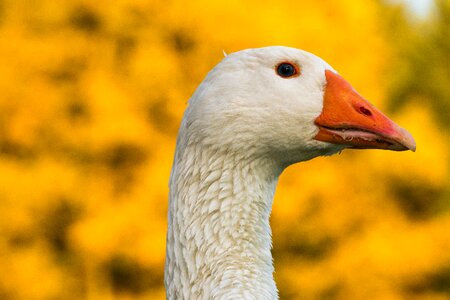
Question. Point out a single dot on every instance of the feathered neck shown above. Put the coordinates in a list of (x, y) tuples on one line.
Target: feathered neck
[(219, 237)]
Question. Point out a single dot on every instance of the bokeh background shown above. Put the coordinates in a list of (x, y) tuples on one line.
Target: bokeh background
[(92, 94)]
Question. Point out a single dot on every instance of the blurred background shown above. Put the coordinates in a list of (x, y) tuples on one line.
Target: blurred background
[(92, 94)]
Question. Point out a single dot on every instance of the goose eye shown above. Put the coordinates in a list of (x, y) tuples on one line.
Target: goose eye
[(287, 70)]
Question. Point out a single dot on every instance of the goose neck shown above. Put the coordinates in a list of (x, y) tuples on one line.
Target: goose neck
[(219, 237)]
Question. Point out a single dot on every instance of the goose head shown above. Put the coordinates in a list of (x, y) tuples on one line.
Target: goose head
[(256, 112), (286, 104)]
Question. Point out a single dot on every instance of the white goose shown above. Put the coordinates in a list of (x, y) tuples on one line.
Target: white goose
[(257, 112)]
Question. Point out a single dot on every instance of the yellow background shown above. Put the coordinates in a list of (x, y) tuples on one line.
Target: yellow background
[(92, 93)]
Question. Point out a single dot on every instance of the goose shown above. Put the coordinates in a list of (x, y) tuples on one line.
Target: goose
[(256, 112)]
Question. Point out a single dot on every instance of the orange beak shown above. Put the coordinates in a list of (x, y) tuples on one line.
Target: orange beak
[(349, 119)]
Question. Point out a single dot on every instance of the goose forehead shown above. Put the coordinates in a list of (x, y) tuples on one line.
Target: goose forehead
[(275, 54), (251, 72)]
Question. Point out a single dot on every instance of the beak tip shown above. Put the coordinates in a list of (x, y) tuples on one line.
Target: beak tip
[(408, 140)]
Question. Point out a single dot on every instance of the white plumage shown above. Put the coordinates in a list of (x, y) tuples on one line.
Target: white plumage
[(244, 124)]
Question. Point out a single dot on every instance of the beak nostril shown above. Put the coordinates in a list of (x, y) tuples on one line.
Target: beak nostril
[(365, 111)]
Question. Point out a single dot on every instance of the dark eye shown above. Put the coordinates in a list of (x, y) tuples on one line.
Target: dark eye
[(287, 70)]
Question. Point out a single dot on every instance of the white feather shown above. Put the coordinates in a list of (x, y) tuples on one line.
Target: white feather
[(243, 126)]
